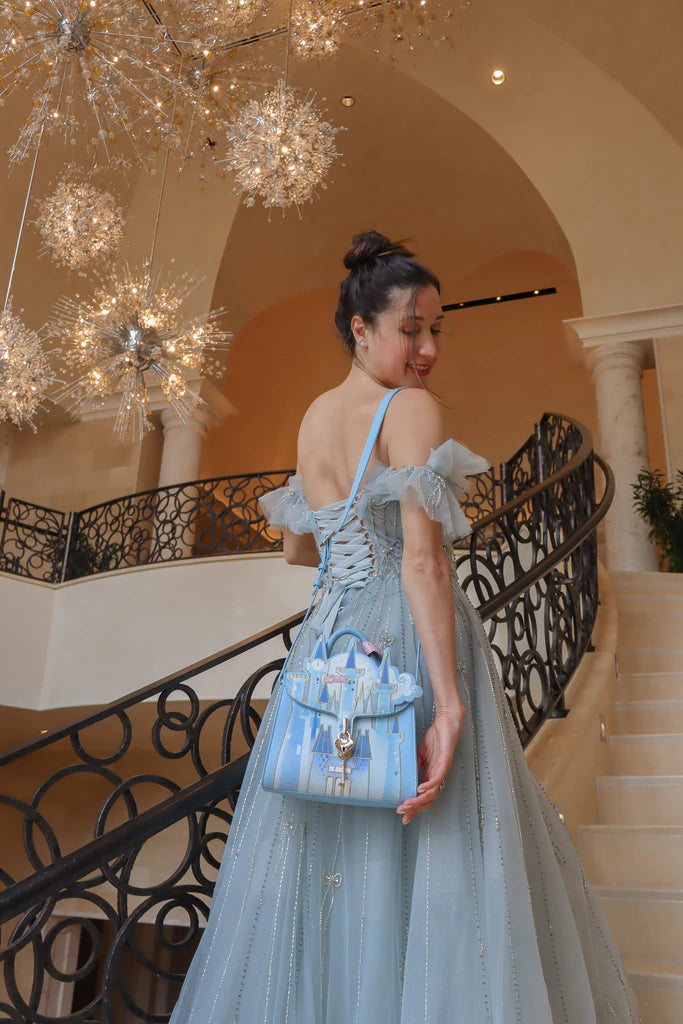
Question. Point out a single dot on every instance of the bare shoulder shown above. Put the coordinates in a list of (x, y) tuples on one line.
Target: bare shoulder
[(317, 415), (414, 425)]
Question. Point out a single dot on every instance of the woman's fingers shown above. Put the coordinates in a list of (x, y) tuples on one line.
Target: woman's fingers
[(427, 793), (434, 759)]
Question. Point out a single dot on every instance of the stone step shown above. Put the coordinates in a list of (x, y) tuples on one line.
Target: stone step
[(647, 603), (650, 659), (650, 716), (658, 987), (651, 686), (640, 799), (642, 610), (659, 581), (664, 635), (643, 754), (645, 921), (636, 855)]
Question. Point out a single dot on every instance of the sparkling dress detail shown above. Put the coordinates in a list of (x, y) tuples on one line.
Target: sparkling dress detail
[(477, 911)]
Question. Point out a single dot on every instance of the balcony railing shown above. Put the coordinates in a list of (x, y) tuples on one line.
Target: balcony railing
[(216, 517)]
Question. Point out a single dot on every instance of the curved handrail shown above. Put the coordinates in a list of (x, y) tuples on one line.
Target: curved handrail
[(29, 892)]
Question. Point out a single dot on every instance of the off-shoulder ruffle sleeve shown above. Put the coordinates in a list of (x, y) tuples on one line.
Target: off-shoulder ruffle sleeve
[(435, 486), (286, 508)]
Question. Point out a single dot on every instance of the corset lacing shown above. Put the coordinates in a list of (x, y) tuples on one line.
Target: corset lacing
[(351, 564)]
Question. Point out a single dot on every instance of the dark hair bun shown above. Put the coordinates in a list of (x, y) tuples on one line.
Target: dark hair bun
[(370, 245), (377, 267)]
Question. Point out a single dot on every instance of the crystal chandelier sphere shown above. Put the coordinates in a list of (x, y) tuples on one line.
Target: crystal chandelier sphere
[(25, 373), (133, 331), (99, 69), (210, 23), (318, 29), (241, 13), (281, 149), (81, 226)]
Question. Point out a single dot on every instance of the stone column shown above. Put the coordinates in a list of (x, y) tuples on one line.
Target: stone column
[(617, 372), (182, 451), (179, 510), (616, 347)]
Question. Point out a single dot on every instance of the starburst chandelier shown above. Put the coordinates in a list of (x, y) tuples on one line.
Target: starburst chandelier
[(319, 28), (25, 374), (241, 13), (281, 149), (81, 226), (133, 332), (396, 26), (211, 23), (215, 85), (95, 67)]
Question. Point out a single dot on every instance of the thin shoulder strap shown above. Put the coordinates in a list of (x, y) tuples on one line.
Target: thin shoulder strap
[(367, 451)]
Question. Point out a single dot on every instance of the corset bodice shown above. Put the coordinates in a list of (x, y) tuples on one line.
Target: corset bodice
[(352, 556)]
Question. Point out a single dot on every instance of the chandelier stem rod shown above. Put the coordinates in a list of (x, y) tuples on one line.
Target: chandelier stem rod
[(289, 41), (163, 179), (158, 213), (22, 222)]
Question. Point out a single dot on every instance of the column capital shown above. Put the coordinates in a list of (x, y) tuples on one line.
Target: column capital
[(218, 405), (638, 326), (626, 355), (197, 424)]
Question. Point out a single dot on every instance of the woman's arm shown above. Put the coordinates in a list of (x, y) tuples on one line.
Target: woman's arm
[(426, 577), (300, 549)]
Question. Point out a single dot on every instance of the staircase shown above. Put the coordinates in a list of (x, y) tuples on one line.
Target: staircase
[(95, 880), (634, 857)]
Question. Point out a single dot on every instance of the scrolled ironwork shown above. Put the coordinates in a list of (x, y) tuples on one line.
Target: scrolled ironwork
[(219, 516), (529, 565), (32, 540)]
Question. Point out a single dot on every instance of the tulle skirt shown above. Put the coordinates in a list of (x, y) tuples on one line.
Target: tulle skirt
[(477, 911)]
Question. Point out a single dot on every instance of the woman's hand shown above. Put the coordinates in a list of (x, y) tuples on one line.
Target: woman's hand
[(434, 757)]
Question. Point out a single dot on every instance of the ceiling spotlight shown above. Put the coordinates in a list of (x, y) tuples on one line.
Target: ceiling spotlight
[(347, 101), (498, 76)]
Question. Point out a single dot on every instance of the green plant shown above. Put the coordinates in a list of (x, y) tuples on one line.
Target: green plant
[(661, 506)]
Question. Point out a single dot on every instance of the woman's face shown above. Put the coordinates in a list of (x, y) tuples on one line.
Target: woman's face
[(403, 347)]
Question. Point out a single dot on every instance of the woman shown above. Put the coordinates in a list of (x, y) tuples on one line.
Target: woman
[(468, 904)]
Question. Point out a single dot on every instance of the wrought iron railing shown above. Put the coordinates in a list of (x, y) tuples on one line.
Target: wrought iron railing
[(215, 517), (77, 900)]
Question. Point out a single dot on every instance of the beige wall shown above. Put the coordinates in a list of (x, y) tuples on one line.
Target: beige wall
[(669, 360), (501, 366), (72, 465), (97, 639)]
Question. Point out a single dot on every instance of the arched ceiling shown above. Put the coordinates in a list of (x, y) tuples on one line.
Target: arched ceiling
[(637, 43), (413, 166), (594, 90)]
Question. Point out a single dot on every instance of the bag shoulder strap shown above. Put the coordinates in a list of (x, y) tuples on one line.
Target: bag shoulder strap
[(367, 450)]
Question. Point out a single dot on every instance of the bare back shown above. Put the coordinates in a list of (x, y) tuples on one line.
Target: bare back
[(333, 433)]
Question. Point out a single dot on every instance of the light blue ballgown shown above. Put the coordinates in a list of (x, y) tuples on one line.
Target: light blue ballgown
[(477, 911)]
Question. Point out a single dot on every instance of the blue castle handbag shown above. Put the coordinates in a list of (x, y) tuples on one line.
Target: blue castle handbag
[(344, 725)]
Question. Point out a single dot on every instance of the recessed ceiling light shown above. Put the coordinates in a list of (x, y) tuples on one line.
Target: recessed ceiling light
[(498, 76), (347, 101)]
